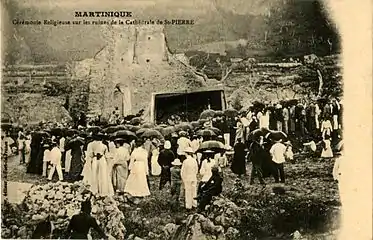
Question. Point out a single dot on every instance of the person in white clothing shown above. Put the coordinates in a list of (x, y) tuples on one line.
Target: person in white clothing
[(55, 159), (189, 171), (206, 167), (264, 119), (46, 158), (100, 181), (277, 152), (327, 149), (183, 143), (195, 143), (326, 128), (310, 147), (137, 184)]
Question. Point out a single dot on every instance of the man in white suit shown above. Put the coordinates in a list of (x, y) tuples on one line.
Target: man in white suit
[(189, 172)]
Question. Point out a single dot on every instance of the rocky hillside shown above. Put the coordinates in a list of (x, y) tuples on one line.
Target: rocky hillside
[(78, 86), (32, 93)]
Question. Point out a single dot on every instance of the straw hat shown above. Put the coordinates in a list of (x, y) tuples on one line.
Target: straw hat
[(119, 139), (176, 162), (167, 145), (182, 133), (208, 151), (188, 150)]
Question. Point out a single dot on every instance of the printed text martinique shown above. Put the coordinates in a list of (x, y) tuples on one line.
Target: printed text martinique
[(104, 14)]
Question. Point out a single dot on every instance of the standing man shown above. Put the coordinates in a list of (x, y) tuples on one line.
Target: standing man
[(165, 158), (277, 152), (256, 156), (189, 172), (55, 159), (286, 118)]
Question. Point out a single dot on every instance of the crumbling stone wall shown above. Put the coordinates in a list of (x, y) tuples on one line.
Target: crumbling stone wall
[(134, 58)]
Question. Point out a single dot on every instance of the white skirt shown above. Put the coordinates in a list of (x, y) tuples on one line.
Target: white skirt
[(156, 168), (87, 171), (327, 152), (100, 181), (137, 184)]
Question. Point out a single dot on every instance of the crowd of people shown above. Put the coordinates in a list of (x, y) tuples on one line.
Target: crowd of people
[(112, 163)]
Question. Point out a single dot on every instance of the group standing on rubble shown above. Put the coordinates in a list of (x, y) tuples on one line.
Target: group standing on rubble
[(114, 163)]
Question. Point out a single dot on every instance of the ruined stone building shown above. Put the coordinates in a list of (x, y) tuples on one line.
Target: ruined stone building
[(134, 63)]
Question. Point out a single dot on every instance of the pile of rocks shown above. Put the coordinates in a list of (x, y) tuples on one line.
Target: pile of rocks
[(60, 201), (216, 223)]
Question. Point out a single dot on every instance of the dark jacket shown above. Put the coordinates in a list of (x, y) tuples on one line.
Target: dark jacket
[(80, 225), (256, 153), (165, 158), (213, 186)]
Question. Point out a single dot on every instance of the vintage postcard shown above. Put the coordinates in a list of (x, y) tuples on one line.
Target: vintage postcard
[(185, 120)]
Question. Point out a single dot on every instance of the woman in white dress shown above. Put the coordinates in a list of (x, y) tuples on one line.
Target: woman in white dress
[(156, 168), (327, 149), (137, 184), (100, 178), (120, 165), (326, 130), (87, 168), (206, 167)]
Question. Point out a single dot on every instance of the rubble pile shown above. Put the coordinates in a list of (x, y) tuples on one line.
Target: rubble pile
[(60, 201)]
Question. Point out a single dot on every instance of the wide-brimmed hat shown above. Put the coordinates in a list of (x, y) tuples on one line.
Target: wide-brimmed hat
[(119, 139), (167, 145), (176, 162), (182, 133), (208, 151), (188, 150)]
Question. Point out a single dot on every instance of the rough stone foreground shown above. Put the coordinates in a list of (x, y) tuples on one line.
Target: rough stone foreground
[(16, 191), (308, 203)]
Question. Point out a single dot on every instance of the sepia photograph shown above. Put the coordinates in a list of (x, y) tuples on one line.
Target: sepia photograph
[(172, 120)]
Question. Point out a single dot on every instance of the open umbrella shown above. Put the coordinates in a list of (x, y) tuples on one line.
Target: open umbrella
[(72, 132), (94, 129), (215, 130), (113, 129), (206, 133), (184, 126), (168, 130), (132, 128), (43, 133), (151, 133), (136, 121), (211, 145), (255, 135), (57, 131), (230, 112), (124, 134), (75, 142), (219, 113), (147, 125), (141, 131), (276, 136), (207, 114)]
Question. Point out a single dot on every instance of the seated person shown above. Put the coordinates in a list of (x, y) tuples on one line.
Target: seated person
[(81, 223), (213, 187), (43, 230)]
